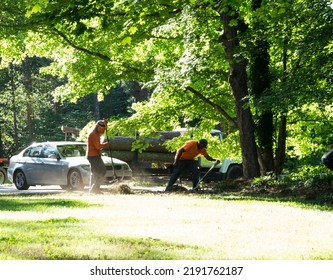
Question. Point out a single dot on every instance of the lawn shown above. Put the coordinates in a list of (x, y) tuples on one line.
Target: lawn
[(159, 226)]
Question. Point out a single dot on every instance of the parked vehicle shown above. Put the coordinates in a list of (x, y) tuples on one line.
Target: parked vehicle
[(59, 163), (3, 170), (155, 158)]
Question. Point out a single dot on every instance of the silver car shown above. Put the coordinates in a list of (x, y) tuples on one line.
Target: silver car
[(59, 163)]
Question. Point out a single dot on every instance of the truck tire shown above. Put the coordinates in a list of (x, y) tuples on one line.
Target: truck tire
[(3, 176), (234, 172)]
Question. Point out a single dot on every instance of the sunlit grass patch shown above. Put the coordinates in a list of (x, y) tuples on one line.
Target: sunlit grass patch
[(72, 238), (40, 203), (130, 248), (166, 227)]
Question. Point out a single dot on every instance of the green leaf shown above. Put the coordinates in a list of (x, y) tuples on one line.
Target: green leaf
[(133, 30), (126, 41), (36, 9), (233, 22)]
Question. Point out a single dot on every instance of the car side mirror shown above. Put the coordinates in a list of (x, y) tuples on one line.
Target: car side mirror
[(55, 156)]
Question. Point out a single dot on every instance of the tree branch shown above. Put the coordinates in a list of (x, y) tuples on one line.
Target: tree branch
[(212, 104), (96, 54)]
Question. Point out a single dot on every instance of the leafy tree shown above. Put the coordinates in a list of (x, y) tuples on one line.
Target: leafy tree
[(195, 57), (299, 34)]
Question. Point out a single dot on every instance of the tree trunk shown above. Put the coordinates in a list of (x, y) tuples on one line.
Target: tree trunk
[(14, 109), (238, 85), (27, 73), (261, 81), (237, 81), (281, 145)]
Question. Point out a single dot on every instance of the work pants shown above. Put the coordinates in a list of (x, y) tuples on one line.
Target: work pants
[(97, 173), (182, 166)]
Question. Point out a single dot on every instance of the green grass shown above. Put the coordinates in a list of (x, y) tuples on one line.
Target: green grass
[(74, 239), (162, 227), (36, 203)]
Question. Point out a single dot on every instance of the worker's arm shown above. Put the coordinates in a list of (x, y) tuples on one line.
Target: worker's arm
[(208, 157), (178, 155)]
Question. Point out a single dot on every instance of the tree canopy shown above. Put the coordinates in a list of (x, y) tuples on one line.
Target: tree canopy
[(252, 68)]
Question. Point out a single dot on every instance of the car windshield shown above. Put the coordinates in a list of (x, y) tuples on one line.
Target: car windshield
[(72, 150)]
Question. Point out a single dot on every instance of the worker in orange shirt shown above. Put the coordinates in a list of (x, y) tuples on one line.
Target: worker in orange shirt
[(184, 160), (94, 156)]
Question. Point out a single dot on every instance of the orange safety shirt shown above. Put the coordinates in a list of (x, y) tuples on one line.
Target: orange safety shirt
[(191, 150), (94, 144)]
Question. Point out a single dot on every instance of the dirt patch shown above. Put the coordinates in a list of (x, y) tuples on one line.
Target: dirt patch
[(317, 194)]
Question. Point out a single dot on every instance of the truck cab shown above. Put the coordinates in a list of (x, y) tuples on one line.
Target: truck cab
[(226, 169)]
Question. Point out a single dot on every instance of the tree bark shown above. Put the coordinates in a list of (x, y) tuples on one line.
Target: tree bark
[(14, 109), (28, 84), (238, 85), (260, 82), (281, 145)]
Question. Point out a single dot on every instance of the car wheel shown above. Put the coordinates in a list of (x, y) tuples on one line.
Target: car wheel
[(234, 172), (20, 181), (2, 176), (74, 180)]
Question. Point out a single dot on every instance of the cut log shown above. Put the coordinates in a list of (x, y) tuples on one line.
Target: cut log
[(119, 143), (136, 157), (156, 157)]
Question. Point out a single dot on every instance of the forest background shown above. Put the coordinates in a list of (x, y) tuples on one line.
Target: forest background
[(261, 71)]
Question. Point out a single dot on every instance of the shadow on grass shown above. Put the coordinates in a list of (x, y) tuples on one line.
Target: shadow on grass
[(322, 203), (303, 195), (35, 203), (75, 239)]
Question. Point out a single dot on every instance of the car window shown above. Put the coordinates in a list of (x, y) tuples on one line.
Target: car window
[(72, 150), (49, 152), (33, 152)]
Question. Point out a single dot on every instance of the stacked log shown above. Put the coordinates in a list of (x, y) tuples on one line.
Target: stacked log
[(120, 143), (122, 149), (135, 156)]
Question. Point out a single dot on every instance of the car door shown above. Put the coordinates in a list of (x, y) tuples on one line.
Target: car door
[(32, 165), (54, 168)]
